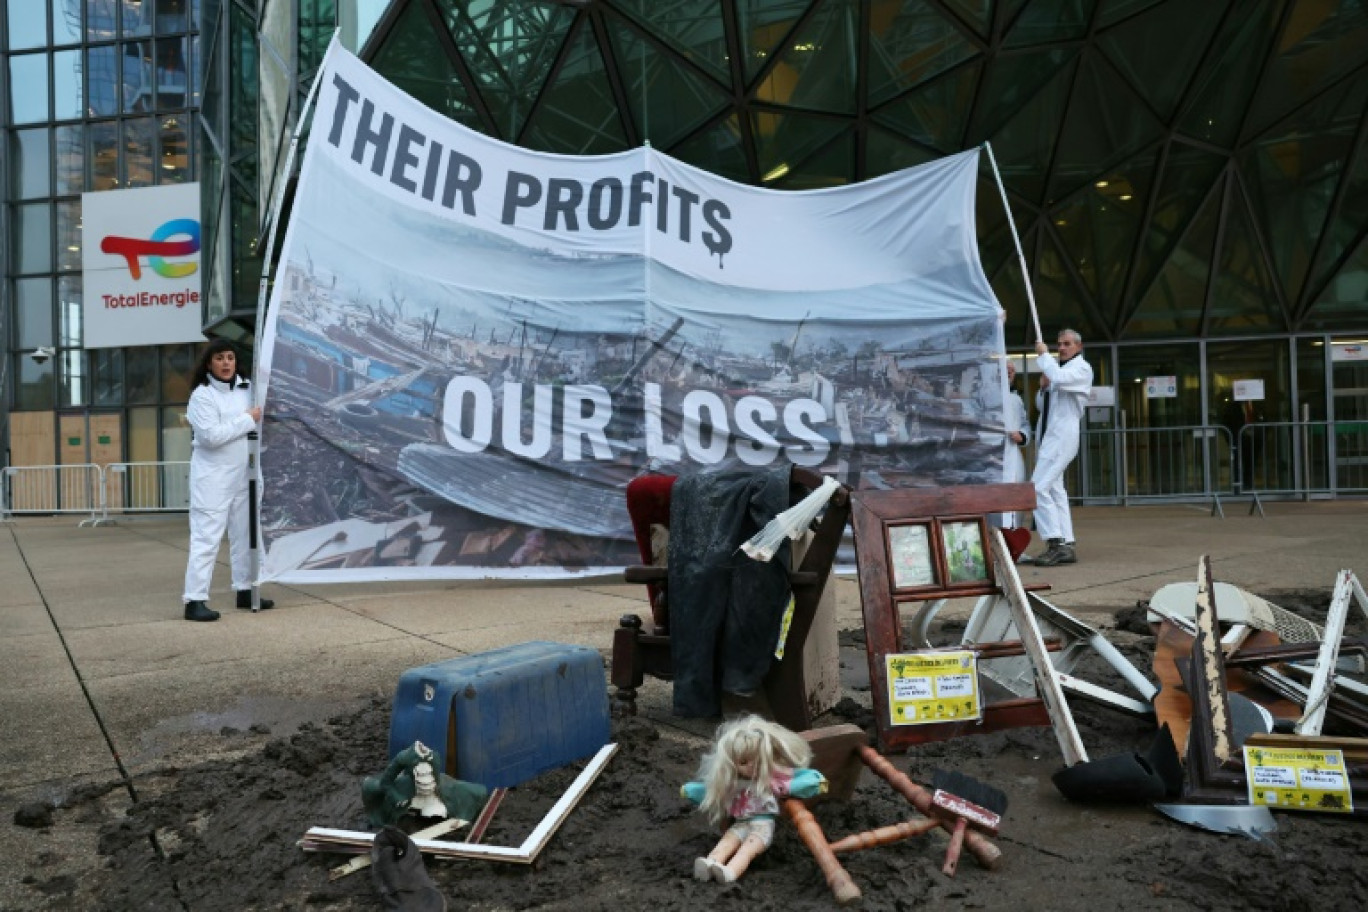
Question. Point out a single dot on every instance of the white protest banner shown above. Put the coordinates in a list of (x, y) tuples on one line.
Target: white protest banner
[(472, 347), (140, 260)]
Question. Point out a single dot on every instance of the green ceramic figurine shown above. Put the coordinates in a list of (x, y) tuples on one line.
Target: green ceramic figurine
[(414, 783)]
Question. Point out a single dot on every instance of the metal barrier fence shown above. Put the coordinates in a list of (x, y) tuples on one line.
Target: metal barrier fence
[(1185, 463), (1303, 458), (55, 489), (121, 487), (148, 487)]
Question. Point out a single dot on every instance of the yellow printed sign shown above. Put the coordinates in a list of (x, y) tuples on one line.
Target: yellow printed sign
[(1289, 778), (926, 687)]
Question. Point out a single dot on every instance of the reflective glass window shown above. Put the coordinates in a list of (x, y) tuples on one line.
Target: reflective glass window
[(172, 16), (511, 56), (70, 159), (1143, 389), (69, 235), (815, 68), (29, 163), (72, 378), (317, 21), (176, 363), (414, 60), (66, 22), (1311, 379), (27, 21), (102, 80), (106, 376), (174, 160), (139, 144), (142, 429), (104, 155), (68, 99), (32, 238), (136, 18), (366, 15), (33, 310), (28, 88), (137, 77), (192, 65), (140, 366), (175, 434), (764, 24), (667, 99), (70, 314), (688, 27), (35, 386), (101, 19), (909, 43), (578, 113), (172, 73)]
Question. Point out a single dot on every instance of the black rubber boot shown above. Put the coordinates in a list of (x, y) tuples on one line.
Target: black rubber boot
[(399, 876), (198, 611), (244, 600)]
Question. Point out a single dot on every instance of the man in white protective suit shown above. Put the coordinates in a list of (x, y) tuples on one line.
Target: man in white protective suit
[(1063, 395), (221, 415)]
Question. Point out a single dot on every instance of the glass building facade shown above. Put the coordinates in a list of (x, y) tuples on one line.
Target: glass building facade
[(98, 95), (1189, 181)]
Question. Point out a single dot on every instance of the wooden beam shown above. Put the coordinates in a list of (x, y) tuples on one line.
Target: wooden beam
[(1318, 694), (1047, 679)]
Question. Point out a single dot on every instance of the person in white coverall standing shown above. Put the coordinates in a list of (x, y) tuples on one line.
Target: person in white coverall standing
[(221, 415), (1018, 425), (1063, 395)]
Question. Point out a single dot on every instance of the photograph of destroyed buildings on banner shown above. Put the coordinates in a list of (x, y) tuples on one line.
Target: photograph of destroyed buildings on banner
[(422, 427)]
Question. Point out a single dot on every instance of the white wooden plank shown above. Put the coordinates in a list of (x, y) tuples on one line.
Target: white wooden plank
[(1318, 694), (1066, 733)]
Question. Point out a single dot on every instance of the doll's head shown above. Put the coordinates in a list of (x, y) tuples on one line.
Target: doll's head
[(747, 753)]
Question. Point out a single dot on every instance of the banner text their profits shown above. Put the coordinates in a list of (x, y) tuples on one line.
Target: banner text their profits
[(565, 203)]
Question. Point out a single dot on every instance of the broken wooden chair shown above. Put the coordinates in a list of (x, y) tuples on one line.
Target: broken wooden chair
[(841, 753), (643, 648)]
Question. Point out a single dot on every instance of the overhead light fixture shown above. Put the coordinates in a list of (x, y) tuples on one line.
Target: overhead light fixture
[(1100, 184), (1124, 196), (776, 172)]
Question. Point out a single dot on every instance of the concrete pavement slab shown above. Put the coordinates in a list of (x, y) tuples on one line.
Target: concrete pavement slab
[(176, 715), (49, 733), (281, 634)]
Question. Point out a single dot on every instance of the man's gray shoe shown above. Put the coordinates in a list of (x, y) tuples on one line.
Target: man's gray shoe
[(1046, 558), (1067, 554)]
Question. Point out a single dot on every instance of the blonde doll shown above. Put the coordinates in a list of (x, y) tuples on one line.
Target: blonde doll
[(753, 763)]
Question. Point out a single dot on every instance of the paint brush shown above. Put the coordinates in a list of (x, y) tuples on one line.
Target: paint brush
[(970, 803)]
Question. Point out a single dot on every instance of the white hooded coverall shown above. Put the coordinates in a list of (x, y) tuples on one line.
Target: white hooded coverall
[(1015, 420), (1057, 446), (218, 483)]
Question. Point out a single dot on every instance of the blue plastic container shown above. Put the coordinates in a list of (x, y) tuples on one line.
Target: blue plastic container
[(504, 716)]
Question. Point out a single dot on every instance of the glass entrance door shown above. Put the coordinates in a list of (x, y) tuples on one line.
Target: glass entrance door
[(1349, 381)]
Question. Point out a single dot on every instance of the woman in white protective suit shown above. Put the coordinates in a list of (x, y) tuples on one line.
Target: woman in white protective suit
[(1018, 425), (221, 416)]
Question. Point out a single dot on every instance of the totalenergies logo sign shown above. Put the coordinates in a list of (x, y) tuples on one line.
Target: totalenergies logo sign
[(140, 258), (159, 245)]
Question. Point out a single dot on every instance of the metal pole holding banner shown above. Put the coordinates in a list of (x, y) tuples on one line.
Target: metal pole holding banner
[(1021, 257), (272, 223)]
